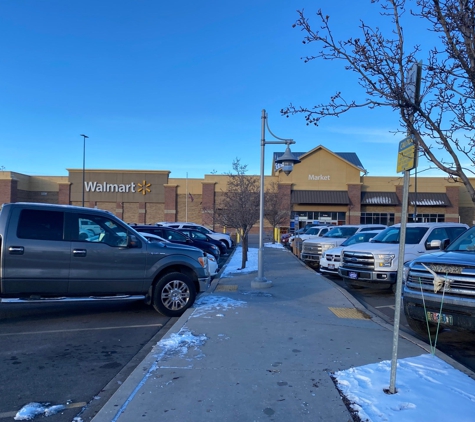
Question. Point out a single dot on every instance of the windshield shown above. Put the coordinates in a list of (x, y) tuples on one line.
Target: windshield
[(341, 232), (391, 235), (465, 243), (313, 230), (358, 238)]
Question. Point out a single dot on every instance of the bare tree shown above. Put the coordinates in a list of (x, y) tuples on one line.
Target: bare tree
[(239, 205), (444, 117), (273, 208)]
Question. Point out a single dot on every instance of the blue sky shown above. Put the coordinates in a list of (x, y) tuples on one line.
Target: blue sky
[(174, 86)]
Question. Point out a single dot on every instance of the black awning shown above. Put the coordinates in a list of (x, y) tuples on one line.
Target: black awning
[(427, 199), (379, 198), (319, 197)]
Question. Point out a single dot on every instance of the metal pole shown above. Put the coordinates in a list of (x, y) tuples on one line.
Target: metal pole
[(83, 166), (400, 266), (260, 271)]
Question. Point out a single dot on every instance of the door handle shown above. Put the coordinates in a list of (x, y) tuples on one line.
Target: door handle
[(80, 253), (16, 250)]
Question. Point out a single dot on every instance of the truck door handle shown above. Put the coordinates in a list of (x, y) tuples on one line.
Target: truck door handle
[(16, 250), (79, 253)]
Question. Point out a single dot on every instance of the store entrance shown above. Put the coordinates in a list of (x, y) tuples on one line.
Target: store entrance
[(302, 218)]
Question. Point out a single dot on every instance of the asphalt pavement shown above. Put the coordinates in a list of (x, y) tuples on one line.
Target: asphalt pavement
[(244, 354)]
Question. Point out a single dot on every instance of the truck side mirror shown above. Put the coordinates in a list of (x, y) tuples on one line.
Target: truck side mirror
[(133, 242), (444, 244), (434, 244)]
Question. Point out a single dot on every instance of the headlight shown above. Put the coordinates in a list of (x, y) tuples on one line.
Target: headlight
[(203, 260), (214, 247), (385, 260), (326, 246), (323, 254)]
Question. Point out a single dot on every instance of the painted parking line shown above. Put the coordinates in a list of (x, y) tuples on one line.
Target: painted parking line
[(393, 307), (72, 330)]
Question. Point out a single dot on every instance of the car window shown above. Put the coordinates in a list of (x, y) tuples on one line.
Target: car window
[(339, 232), (414, 235), (358, 238), (176, 236), (438, 234), (198, 235), (466, 242), (108, 231), (41, 225), (365, 229)]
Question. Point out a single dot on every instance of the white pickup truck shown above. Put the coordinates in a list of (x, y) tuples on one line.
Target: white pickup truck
[(376, 262), (312, 249)]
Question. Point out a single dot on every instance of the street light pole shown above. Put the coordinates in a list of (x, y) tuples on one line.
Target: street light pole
[(83, 166), (287, 160)]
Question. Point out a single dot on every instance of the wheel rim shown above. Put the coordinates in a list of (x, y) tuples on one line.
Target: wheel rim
[(175, 295)]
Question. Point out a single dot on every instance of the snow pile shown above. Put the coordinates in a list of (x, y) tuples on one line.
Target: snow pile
[(427, 388)]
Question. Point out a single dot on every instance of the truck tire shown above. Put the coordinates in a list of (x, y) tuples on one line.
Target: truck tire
[(173, 294), (420, 327)]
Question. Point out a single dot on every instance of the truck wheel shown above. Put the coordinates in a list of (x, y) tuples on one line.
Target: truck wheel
[(173, 294), (420, 327)]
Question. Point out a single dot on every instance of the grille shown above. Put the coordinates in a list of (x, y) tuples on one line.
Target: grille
[(313, 248), (358, 260), (462, 284), (332, 258)]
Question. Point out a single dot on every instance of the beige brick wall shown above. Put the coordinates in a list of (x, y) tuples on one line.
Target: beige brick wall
[(131, 212), (155, 213), (192, 209)]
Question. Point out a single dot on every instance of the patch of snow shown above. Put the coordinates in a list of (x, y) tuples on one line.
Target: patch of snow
[(31, 410), (427, 388)]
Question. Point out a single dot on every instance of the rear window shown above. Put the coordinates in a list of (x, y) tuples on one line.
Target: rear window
[(41, 225)]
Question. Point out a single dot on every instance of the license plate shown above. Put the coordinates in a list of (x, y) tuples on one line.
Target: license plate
[(353, 275), (444, 318), (331, 266)]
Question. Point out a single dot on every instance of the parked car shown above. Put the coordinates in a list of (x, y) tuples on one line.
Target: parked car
[(213, 267), (312, 232), (176, 236), (223, 237), (312, 249), (195, 234), (44, 259), (376, 263), (331, 258), (285, 238), (439, 288)]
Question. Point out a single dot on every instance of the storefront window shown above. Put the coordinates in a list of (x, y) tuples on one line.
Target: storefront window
[(377, 218), (426, 218), (331, 217)]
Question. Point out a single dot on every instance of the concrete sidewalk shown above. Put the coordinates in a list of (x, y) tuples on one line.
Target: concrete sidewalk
[(247, 355)]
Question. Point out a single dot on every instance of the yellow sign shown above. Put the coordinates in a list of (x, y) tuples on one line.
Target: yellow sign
[(144, 187), (406, 158)]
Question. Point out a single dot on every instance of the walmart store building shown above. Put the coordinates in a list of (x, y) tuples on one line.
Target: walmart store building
[(326, 186)]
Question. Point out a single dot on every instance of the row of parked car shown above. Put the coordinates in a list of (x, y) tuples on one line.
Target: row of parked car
[(190, 234), (438, 274)]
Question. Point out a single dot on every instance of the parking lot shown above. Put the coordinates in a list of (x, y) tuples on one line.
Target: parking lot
[(48, 350)]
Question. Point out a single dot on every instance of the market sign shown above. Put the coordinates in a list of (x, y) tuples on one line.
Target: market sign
[(406, 158)]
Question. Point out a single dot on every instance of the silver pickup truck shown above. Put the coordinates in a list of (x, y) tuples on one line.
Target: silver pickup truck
[(46, 255), (439, 288)]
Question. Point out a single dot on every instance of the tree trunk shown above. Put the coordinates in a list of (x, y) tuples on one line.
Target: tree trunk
[(245, 242)]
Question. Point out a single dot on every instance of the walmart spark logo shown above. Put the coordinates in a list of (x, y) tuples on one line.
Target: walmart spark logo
[(144, 187)]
